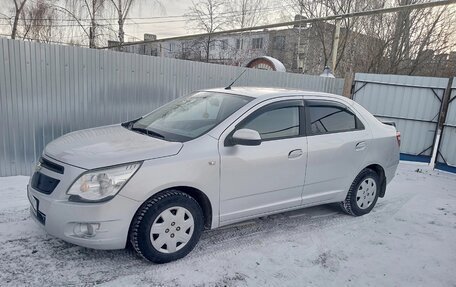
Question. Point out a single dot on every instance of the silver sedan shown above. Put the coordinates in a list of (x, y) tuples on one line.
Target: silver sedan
[(209, 159)]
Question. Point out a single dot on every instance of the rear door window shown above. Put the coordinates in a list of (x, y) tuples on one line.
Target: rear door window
[(330, 117)]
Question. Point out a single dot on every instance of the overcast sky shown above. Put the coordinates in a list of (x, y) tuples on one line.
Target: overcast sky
[(142, 9), (141, 19), (171, 21), (163, 27), (168, 27)]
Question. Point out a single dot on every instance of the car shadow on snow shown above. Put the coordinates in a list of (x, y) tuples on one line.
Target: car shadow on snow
[(305, 218), (43, 251)]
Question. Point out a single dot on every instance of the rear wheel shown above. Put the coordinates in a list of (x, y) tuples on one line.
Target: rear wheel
[(363, 193), (167, 227)]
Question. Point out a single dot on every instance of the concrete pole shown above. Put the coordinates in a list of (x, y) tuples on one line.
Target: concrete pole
[(298, 58), (298, 48), (335, 45)]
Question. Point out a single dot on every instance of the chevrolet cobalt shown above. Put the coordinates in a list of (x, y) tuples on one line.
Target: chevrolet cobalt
[(209, 159)]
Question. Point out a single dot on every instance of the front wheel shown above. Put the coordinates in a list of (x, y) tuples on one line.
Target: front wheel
[(363, 193), (167, 227)]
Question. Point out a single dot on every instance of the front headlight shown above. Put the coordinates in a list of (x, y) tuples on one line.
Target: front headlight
[(102, 184)]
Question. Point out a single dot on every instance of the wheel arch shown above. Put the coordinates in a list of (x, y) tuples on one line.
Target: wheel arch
[(203, 201), (198, 195), (380, 171)]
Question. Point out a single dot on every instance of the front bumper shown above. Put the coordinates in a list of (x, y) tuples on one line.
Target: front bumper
[(62, 218)]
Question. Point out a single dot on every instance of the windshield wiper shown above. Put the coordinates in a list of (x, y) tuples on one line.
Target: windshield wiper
[(147, 132)]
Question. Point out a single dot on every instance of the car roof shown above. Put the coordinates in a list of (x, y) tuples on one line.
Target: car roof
[(266, 93)]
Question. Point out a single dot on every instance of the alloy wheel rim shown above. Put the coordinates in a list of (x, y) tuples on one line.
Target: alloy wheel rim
[(366, 193), (172, 229)]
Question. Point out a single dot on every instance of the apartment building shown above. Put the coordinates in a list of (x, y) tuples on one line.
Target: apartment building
[(302, 49)]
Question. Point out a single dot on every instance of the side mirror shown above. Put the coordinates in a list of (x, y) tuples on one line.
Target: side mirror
[(246, 137)]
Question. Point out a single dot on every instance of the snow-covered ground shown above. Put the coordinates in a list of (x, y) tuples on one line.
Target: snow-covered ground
[(408, 240)]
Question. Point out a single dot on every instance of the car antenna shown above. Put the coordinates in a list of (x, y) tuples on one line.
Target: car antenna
[(229, 87)]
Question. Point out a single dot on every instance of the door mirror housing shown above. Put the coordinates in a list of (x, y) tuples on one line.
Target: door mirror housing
[(246, 137)]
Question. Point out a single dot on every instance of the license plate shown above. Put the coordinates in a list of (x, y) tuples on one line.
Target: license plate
[(33, 202)]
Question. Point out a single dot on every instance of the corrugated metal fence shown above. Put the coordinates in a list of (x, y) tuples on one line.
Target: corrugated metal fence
[(415, 104), (49, 90), (446, 157)]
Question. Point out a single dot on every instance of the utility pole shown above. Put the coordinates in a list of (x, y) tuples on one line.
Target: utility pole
[(335, 45), (298, 48)]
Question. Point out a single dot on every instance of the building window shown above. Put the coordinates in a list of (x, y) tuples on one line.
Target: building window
[(224, 44), (279, 42), (171, 47), (239, 44), (185, 47), (257, 43)]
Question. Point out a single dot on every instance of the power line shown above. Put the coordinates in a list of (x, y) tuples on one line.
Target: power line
[(89, 25), (251, 11), (107, 19), (276, 25), (98, 24), (298, 22), (47, 41), (88, 19)]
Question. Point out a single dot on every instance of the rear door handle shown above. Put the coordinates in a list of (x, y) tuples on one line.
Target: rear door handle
[(295, 153), (360, 146)]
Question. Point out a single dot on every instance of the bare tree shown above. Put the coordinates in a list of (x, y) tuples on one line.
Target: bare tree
[(207, 16), (245, 13), (38, 21), (122, 8), (18, 8), (418, 36), (91, 9), (398, 43), (311, 9), (410, 42), (325, 30)]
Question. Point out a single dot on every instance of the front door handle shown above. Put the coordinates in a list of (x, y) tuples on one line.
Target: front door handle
[(360, 146), (295, 153)]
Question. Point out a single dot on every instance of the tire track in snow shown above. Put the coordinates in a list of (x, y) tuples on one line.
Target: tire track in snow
[(27, 251), (44, 251)]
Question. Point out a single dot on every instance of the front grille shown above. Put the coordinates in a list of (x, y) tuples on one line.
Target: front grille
[(51, 166), (44, 183)]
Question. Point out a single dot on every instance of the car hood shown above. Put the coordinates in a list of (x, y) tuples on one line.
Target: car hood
[(108, 145)]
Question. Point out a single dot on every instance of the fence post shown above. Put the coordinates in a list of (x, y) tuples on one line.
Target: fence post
[(441, 121), (348, 82)]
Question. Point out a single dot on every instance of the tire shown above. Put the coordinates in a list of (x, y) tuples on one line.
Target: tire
[(363, 193), (167, 227)]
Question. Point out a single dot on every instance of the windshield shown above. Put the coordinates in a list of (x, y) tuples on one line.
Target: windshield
[(189, 117)]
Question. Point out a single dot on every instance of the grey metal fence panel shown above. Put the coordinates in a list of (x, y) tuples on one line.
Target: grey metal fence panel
[(446, 156), (49, 90), (413, 103)]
